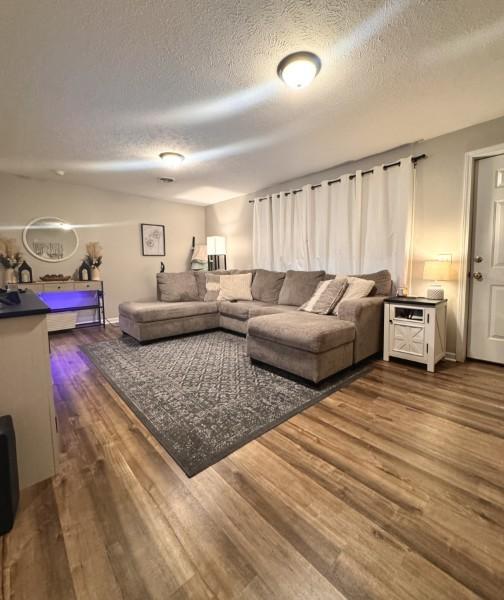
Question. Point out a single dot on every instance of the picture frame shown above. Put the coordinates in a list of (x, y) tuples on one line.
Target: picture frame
[(153, 239)]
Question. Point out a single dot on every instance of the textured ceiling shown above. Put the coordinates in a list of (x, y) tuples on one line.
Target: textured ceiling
[(99, 88)]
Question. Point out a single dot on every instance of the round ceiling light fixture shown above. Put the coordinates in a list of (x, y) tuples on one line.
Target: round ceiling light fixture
[(299, 69), (166, 179), (172, 159)]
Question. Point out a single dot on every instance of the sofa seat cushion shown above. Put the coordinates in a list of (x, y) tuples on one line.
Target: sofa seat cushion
[(260, 310), (304, 331), (240, 309), (146, 312)]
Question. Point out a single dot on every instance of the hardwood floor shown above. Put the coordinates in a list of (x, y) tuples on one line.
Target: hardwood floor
[(391, 488)]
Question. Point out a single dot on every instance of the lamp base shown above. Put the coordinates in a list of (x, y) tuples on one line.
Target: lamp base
[(435, 292)]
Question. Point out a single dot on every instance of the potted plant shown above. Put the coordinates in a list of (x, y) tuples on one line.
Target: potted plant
[(94, 259), (10, 258)]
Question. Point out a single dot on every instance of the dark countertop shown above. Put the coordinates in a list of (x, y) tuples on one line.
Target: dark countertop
[(31, 304)]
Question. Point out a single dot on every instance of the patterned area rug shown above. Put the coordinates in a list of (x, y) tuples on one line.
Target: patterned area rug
[(201, 396)]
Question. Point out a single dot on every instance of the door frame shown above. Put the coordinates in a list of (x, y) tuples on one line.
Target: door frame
[(470, 159)]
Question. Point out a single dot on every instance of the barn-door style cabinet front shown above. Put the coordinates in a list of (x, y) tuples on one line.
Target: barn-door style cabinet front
[(415, 329)]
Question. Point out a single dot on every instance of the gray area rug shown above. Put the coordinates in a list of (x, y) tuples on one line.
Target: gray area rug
[(201, 396)]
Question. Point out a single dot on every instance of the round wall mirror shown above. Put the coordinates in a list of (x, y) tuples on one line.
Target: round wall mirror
[(50, 239)]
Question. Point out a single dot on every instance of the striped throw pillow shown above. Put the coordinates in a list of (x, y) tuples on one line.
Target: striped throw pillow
[(326, 296)]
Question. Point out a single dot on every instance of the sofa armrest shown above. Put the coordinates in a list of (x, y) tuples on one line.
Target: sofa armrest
[(367, 316)]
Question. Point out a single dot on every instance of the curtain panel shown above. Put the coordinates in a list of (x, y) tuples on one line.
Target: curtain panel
[(359, 224)]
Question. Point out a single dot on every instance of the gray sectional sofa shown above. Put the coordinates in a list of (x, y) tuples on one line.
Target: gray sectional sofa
[(309, 345)]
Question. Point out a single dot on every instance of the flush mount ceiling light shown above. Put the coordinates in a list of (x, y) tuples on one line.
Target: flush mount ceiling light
[(172, 159), (166, 179), (299, 69)]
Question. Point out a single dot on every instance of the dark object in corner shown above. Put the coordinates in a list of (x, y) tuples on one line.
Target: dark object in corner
[(9, 482), (10, 298), (162, 267)]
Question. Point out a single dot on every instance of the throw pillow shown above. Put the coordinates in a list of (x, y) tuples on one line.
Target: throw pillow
[(267, 285), (298, 286), (382, 279), (235, 287), (177, 287), (326, 296), (357, 288), (212, 287)]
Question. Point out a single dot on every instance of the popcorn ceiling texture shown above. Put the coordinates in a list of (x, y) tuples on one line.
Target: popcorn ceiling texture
[(98, 89)]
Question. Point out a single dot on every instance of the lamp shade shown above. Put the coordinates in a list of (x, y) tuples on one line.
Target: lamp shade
[(436, 270), (216, 245)]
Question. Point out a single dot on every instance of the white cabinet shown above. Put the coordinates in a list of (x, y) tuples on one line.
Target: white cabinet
[(415, 329), (26, 394)]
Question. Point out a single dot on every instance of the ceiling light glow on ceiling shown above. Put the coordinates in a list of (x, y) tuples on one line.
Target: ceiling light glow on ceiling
[(172, 159), (299, 69)]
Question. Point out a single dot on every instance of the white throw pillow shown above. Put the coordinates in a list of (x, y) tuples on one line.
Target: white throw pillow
[(357, 288), (236, 287)]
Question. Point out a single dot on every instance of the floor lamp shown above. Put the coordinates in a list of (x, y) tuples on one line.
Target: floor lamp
[(216, 248)]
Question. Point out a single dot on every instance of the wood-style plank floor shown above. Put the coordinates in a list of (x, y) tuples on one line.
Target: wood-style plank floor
[(391, 488)]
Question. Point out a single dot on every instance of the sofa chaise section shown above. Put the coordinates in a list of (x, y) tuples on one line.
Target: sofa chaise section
[(147, 321), (311, 346)]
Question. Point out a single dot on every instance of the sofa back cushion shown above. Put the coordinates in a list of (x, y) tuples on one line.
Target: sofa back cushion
[(200, 277), (212, 287), (177, 287), (267, 285), (235, 287), (382, 280), (298, 286)]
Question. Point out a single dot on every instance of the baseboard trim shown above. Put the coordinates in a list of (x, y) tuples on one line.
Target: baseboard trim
[(112, 320), (451, 356)]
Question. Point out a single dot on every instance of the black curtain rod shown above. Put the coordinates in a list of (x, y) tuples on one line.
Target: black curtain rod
[(414, 160)]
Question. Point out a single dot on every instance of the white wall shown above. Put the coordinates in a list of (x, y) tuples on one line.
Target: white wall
[(438, 210), (110, 218)]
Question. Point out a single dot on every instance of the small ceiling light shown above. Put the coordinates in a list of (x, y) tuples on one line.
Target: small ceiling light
[(59, 173), (172, 159), (167, 179), (299, 69)]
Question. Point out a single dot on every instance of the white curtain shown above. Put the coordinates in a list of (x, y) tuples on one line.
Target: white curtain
[(262, 239), (387, 207), (359, 224)]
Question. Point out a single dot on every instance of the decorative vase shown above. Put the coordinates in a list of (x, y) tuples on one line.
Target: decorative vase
[(10, 275), (95, 274)]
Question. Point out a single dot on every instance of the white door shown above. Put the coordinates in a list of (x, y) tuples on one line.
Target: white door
[(486, 325)]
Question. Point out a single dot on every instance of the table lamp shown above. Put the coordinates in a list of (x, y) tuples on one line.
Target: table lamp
[(435, 271)]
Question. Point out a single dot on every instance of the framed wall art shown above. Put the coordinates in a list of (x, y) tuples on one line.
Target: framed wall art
[(153, 240)]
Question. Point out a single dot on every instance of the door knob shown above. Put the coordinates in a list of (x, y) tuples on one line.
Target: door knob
[(478, 259), (478, 276)]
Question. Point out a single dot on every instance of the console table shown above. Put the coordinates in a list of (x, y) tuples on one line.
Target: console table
[(72, 304), (415, 329)]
